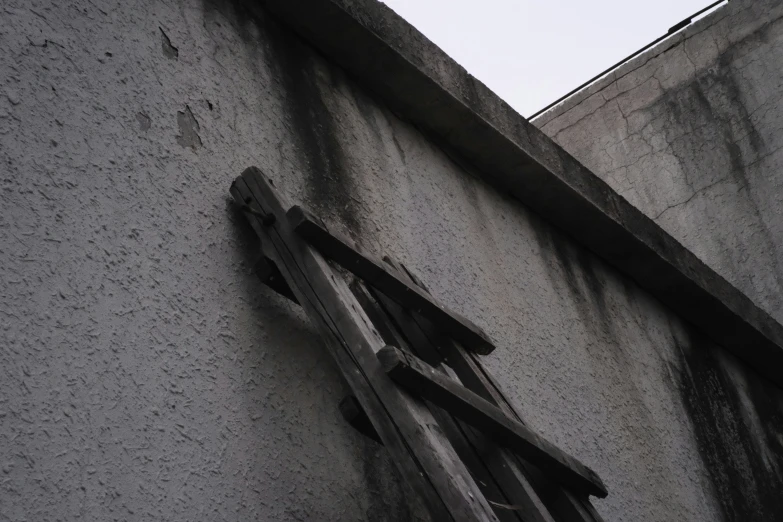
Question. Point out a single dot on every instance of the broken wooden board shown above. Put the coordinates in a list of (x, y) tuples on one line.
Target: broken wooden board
[(460, 435)]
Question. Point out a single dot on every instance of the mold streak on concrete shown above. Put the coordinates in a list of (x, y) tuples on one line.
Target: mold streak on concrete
[(425, 86), (690, 134), (746, 475)]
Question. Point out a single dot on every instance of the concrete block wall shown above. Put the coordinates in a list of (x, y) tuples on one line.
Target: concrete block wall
[(146, 375)]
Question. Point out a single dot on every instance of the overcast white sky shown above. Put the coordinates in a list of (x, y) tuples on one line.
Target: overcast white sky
[(531, 52)]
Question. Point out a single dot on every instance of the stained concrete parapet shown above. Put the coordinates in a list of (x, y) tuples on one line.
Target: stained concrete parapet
[(689, 133), (425, 86)]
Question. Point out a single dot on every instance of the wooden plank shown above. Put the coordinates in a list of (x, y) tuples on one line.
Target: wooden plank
[(569, 508), (423, 455), (418, 377), (343, 251), (390, 332), (452, 428), (501, 465), (589, 508), (471, 372), (467, 367)]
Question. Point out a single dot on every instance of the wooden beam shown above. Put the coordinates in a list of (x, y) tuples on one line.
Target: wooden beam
[(456, 431), (498, 466), (533, 486), (569, 508), (421, 379), (347, 254), (422, 454)]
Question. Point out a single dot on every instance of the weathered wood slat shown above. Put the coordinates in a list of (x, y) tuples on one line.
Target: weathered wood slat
[(343, 251), (452, 428), (418, 377), (589, 508), (500, 462), (421, 452), (475, 377), (569, 508)]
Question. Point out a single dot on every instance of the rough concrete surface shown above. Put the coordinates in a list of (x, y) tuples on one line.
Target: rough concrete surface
[(146, 374), (690, 133)]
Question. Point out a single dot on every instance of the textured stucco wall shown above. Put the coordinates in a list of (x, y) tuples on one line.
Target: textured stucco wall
[(691, 133), (146, 374)]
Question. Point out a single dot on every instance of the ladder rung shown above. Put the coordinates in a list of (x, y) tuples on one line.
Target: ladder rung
[(376, 273), (418, 377)]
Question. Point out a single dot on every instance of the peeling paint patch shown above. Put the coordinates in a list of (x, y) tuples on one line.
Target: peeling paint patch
[(12, 96), (169, 51), (188, 129), (144, 121)]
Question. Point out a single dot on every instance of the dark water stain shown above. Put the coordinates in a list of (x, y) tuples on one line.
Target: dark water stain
[(321, 156), (397, 144), (711, 109), (579, 273), (329, 186), (711, 133), (747, 486), (368, 110), (239, 16)]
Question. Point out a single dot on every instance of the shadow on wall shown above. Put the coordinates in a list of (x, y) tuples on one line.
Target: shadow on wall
[(388, 500), (742, 453), (328, 186)]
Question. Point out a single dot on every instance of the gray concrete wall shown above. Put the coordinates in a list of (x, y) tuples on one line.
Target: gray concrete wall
[(146, 374), (691, 133)]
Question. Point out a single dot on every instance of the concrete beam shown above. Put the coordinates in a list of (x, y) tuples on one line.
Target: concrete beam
[(423, 85)]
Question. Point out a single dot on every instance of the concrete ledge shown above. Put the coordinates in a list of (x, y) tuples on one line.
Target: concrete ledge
[(423, 85)]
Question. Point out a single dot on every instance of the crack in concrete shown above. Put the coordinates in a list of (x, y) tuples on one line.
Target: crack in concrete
[(696, 193)]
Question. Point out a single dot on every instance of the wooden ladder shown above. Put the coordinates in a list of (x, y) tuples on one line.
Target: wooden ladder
[(418, 386)]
